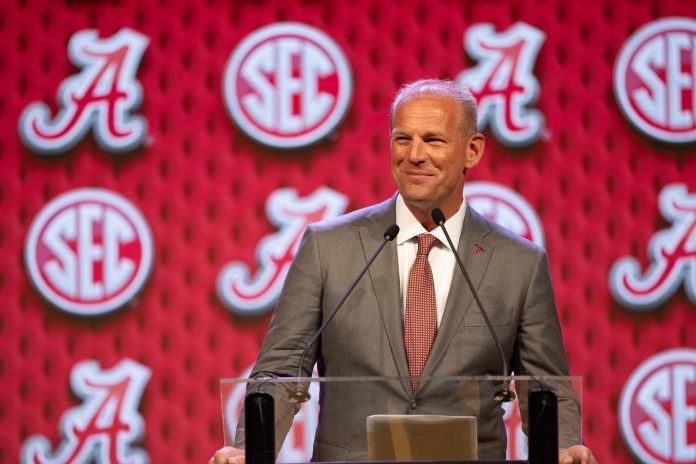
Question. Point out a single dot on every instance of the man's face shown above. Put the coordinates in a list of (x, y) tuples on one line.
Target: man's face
[(429, 153)]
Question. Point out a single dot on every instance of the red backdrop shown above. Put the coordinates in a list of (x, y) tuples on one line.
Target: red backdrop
[(202, 186)]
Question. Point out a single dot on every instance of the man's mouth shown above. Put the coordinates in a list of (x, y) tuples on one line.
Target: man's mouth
[(417, 173)]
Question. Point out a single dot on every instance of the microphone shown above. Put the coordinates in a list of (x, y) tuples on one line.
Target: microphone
[(259, 428), (503, 395), (300, 396)]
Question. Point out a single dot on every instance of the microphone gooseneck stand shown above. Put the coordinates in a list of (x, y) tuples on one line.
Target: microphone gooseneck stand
[(301, 395), (504, 394)]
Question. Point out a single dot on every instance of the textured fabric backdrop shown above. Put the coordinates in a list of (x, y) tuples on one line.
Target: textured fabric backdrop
[(203, 187)]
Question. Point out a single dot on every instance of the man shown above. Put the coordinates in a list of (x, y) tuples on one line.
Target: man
[(433, 144)]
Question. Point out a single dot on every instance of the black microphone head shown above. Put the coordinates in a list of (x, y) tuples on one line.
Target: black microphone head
[(391, 232), (504, 395), (299, 396), (438, 216)]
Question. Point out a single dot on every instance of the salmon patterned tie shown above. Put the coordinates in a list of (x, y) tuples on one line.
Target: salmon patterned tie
[(420, 326)]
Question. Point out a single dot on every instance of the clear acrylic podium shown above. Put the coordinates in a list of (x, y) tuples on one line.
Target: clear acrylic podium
[(365, 419)]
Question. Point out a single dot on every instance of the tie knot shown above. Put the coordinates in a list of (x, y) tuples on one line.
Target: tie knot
[(425, 243)]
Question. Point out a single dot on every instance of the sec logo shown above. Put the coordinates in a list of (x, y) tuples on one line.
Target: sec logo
[(505, 207), (89, 251), (658, 409), (287, 85), (655, 79)]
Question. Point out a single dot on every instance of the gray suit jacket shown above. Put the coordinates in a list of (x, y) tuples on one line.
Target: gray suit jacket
[(366, 336)]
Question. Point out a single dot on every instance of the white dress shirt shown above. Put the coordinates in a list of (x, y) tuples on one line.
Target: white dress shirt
[(441, 258)]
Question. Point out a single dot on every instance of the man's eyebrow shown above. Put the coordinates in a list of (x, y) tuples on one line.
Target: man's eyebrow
[(397, 131), (435, 134)]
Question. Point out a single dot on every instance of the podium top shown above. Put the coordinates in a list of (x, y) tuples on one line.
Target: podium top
[(332, 424), (575, 379)]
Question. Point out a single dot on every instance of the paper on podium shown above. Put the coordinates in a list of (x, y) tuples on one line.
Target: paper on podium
[(395, 437)]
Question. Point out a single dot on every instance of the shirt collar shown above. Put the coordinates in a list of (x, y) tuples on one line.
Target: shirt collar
[(409, 227)]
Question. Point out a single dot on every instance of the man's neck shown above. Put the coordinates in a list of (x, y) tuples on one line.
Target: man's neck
[(424, 216)]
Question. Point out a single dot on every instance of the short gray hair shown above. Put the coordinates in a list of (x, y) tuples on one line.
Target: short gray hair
[(439, 88)]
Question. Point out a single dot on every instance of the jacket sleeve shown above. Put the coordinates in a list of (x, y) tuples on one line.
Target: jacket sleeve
[(539, 351), (296, 318)]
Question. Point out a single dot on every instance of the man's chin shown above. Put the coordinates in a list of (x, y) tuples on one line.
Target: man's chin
[(419, 202)]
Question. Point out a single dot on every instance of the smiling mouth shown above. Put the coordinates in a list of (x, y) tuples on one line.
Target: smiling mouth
[(417, 174)]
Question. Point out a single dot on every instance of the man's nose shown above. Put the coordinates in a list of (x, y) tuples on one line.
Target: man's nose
[(416, 152)]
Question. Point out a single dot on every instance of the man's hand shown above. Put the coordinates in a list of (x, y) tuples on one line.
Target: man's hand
[(577, 454), (228, 455)]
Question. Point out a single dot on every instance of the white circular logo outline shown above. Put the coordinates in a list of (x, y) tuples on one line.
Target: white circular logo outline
[(636, 378), (328, 45), (502, 192), (72, 197), (626, 52)]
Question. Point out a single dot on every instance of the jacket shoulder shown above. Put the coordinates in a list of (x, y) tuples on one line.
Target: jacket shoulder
[(358, 219), (505, 238)]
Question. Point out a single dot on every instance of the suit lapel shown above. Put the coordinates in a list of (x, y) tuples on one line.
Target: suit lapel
[(460, 299), (384, 274)]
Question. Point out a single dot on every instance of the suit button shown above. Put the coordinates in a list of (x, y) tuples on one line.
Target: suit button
[(414, 404)]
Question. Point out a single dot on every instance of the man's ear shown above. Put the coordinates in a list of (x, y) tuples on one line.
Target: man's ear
[(474, 149)]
